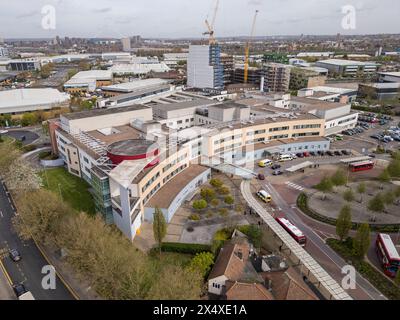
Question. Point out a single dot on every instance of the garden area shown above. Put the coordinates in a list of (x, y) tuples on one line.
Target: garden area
[(215, 200), (73, 190)]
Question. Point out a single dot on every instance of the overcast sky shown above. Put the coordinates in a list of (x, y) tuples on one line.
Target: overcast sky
[(185, 18)]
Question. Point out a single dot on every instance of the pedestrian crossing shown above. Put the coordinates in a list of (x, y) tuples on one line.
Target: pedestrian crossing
[(294, 186)]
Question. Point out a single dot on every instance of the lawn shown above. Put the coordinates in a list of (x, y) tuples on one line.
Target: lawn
[(73, 189)]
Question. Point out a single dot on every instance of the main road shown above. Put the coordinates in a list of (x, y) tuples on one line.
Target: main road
[(29, 269)]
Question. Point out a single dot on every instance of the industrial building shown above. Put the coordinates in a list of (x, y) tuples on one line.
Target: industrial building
[(389, 77), (204, 67), (348, 68), (88, 81), (172, 59), (132, 86), (332, 94), (24, 65), (379, 91), (26, 100), (138, 69), (3, 52)]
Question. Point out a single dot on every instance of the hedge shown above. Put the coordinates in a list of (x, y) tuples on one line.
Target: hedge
[(302, 204), (378, 280), (190, 248)]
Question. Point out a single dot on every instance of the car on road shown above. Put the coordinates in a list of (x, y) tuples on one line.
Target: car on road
[(277, 172), (375, 136), (275, 166), (15, 255), (313, 153), (19, 289), (260, 176)]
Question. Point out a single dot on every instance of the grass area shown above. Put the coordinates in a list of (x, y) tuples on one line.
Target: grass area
[(73, 189), (302, 204), (377, 279), (171, 258)]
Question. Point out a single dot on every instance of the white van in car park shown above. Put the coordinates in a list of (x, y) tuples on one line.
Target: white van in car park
[(285, 157)]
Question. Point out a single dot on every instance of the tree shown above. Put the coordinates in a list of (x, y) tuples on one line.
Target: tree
[(325, 186), (202, 263), (343, 222), (229, 200), (361, 241), (200, 204), (384, 176), (159, 227), (29, 118), (339, 178), (361, 189), (348, 195), (224, 190), (397, 279), (376, 204), (394, 168), (216, 183), (397, 192), (207, 194), (388, 197)]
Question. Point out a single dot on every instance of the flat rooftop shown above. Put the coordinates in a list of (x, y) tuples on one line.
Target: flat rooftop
[(135, 85), (93, 74), (31, 97), (164, 197), (197, 102), (391, 74), (119, 133), (342, 62), (279, 142), (318, 104), (103, 112)]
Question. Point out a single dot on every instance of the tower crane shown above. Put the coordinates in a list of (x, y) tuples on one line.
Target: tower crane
[(210, 26), (246, 55)]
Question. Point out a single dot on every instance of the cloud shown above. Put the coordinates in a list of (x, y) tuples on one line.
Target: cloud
[(102, 10)]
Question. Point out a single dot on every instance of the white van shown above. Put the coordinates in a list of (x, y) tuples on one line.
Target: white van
[(285, 157)]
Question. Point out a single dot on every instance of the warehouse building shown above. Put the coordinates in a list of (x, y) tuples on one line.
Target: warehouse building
[(379, 91), (348, 68), (88, 81), (26, 100)]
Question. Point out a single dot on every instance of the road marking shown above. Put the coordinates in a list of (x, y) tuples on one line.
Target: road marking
[(6, 273), (294, 186), (1, 214)]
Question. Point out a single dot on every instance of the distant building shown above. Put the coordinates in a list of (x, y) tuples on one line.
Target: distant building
[(276, 57), (389, 77), (126, 44), (305, 78), (348, 68), (85, 81), (379, 91), (24, 65), (172, 59), (331, 94), (253, 76), (276, 77), (228, 64), (3, 52), (25, 100), (204, 67)]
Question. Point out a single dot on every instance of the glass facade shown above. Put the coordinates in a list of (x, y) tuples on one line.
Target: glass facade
[(215, 61), (102, 196)]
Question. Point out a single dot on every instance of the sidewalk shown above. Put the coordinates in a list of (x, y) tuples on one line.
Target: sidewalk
[(80, 286), (6, 293)]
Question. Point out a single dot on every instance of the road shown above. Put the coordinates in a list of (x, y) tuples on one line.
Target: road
[(29, 270)]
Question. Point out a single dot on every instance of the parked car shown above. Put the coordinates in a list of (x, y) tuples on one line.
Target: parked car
[(275, 166), (277, 172), (337, 153), (329, 153), (313, 153), (321, 153), (300, 155), (306, 154), (14, 255), (260, 176), (346, 152)]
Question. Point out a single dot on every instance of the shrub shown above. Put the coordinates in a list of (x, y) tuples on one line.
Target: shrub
[(207, 194), (194, 217), (224, 190), (200, 204), (223, 212), (189, 248), (229, 200), (202, 262), (28, 148), (216, 183), (239, 208), (214, 202), (253, 232)]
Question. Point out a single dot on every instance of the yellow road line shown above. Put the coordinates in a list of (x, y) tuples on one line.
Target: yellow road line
[(3, 268), (72, 291)]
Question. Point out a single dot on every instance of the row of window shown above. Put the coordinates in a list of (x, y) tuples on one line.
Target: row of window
[(171, 164), (144, 188), (238, 136), (305, 134), (279, 129), (307, 126), (174, 173)]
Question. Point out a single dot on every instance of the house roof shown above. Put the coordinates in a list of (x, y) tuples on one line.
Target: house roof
[(288, 285), (246, 291)]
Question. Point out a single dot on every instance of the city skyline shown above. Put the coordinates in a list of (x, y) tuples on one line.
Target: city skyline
[(117, 19)]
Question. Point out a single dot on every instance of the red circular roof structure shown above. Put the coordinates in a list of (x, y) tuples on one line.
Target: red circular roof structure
[(133, 149)]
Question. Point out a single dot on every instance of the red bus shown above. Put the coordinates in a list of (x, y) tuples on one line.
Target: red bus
[(387, 254), (293, 231), (360, 166)]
